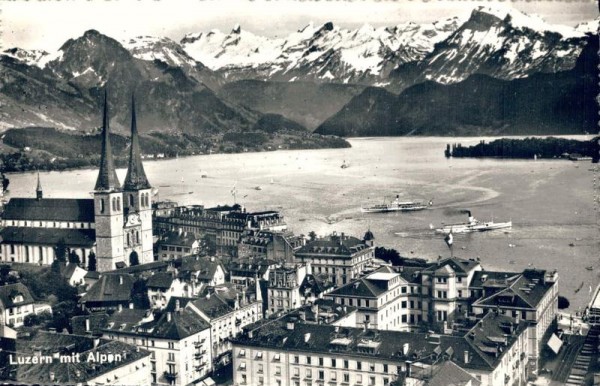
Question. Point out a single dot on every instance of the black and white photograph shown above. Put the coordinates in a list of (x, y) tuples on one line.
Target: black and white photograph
[(299, 193)]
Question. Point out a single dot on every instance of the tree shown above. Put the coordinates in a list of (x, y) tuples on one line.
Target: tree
[(74, 258), (563, 302), (92, 262), (312, 235), (134, 259), (60, 251)]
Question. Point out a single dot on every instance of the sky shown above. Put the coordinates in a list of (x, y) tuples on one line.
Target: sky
[(48, 24)]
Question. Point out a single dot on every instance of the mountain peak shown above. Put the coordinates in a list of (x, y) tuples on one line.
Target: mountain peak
[(237, 29)]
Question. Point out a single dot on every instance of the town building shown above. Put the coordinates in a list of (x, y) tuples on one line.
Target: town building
[(246, 272), (179, 343), (72, 359), (228, 311), (493, 351), (381, 299), (531, 296), (177, 244), (162, 286), (112, 291), (16, 303), (200, 272), (284, 287), (116, 224), (268, 244), (223, 226), (341, 257)]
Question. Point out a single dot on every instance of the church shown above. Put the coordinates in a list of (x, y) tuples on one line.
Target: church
[(116, 224)]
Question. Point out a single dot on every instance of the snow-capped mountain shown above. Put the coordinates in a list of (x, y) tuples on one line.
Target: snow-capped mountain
[(38, 58), (321, 53), (500, 42)]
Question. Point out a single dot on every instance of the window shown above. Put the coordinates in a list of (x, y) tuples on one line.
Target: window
[(358, 378), (243, 379), (321, 361), (260, 368), (308, 360), (101, 208), (321, 374), (358, 365), (308, 373), (333, 362), (371, 381), (386, 381), (296, 372), (346, 378), (333, 376), (403, 289), (276, 358), (372, 367), (171, 345), (243, 366), (242, 353), (171, 357), (346, 364), (278, 370), (296, 359)]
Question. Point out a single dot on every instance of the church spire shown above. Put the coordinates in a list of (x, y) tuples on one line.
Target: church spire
[(39, 194), (107, 177), (136, 176)]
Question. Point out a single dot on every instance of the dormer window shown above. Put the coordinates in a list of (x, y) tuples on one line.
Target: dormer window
[(18, 298)]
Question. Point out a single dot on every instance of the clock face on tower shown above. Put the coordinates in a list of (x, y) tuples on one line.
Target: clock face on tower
[(133, 219)]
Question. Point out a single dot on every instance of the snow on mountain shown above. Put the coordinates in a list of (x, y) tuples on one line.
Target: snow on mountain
[(325, 52), (500, 42), (239, 48), (153, 48), (37, 58), (589, 27)]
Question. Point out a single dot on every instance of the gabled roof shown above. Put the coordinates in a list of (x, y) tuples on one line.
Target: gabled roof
[(203, 267), (10, 291), (523, 291), (110, 288), (362, 288), (48, 236), (315, 285), (50, 209), (183, 239), (448, 373), (97, 321), (66, 344), (461, 267), (174, 325), (213, 306), (343, 246), (162, 280), (387, 344), (127, 319)]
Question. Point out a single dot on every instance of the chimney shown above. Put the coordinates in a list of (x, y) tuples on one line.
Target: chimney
[(405, 348), (131, 306), (120, 280), (365, 325), (51, 376), (290, 326), (466, 357), (119, 308), (87, 324), (177, 305), (306, 337), (168, 316), (96, 342)]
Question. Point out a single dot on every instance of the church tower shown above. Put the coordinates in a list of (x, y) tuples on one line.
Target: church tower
[(108, 206), (137, 197), (39, 193)]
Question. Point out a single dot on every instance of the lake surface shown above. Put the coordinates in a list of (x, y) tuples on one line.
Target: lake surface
[(550, 202)]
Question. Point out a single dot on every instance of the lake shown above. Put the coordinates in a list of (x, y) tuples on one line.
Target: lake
[(550, 202)]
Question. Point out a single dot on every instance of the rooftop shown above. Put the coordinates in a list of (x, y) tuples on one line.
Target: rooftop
[(45, 343), (48, 236), (50, 209), (110, 288), (9, 295)]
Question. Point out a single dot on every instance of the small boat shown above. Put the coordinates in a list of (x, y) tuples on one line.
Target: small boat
[(395, 206), (345, 165), (257, 188), (473, 225), (590, 268), (579, 288)]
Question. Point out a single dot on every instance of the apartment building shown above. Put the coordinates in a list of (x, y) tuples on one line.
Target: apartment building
[(179, 343), (342, 258), (493, 351), (284, 287)]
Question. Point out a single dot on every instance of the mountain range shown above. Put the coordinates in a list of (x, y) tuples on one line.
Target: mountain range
[(393, 80)]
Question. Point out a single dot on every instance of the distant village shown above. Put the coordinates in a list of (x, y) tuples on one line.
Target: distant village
[(121, 290)]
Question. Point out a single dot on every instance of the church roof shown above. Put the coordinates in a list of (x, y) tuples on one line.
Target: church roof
[(107, 176), (50, 209), (48, 236), (136, 176)]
